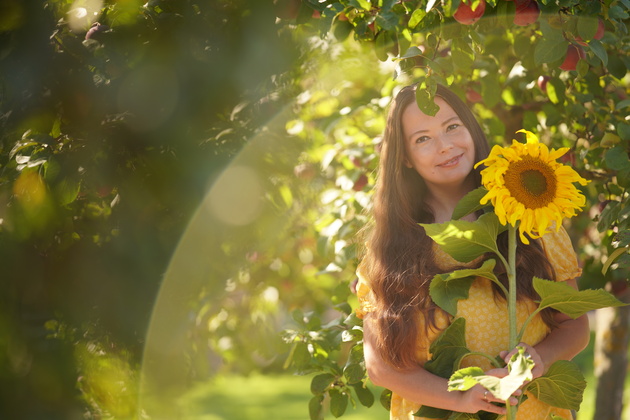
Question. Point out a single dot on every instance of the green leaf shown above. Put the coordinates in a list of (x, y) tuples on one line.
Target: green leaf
[(466, 378), (67, 191), (470, 203), (623, 129), (462, 54), (564, 298), (599, 51), (338, 402), (491, 90), (412, 52), (612, 257), (315, 408), (465, 416), (366, 398), (549, 49), (562, 386), (354, 372), (608, 216), (520, 371), (617, 158), (447, 349), (361, 4), (321, 382), (416, 18), (622, 238), (464, 240), (426, 102), (447, 289), (555, 90), (432, 413), (386, 399), (587, 27)]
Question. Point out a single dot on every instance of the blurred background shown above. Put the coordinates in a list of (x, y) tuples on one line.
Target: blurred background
[(182, 183)]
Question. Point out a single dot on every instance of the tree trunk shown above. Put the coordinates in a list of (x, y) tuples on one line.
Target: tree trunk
[(611, 359)]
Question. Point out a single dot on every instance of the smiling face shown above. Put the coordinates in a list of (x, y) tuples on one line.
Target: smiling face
[(439, 148)]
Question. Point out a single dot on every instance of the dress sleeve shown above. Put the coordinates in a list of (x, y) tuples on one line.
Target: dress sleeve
[(364, 294), (559, 250)]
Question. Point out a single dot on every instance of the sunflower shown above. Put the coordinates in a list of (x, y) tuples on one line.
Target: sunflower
[(526, 184)]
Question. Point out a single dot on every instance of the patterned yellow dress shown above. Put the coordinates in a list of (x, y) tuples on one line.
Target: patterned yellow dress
[(486, 323)]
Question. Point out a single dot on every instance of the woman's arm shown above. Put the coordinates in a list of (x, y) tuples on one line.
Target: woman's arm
[(422, 387), (564, 341)]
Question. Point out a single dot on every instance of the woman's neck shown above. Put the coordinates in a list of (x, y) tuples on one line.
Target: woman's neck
[(443, 201)]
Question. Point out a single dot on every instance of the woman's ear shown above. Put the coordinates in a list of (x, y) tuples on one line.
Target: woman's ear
[(407, 163)]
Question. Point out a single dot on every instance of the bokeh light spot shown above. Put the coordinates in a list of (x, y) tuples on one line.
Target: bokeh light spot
[(235, 198), (83, 13)]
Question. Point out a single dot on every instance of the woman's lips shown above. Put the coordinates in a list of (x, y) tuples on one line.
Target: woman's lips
[(451, 162)]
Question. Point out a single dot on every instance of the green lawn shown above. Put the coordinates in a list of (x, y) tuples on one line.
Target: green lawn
[(285, 397), (277, 397)]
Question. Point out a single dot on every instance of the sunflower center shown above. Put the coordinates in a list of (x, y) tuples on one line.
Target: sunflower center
[(531, 182), (534, 182)]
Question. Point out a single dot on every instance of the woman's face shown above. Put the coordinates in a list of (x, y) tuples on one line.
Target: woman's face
[(439, 148)]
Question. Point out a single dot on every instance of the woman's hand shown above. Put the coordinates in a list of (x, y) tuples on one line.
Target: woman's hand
[(478, 398), (539, 366)]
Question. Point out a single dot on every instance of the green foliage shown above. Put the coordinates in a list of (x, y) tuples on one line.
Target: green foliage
[(316, 348), (447, 289), (519, 371), (464, 240), (109, 145), (562, 386), (567, 300)]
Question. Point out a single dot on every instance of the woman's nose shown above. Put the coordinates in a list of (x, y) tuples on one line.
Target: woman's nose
[(444, 143)]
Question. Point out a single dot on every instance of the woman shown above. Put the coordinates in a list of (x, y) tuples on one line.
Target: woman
[(426, 167)]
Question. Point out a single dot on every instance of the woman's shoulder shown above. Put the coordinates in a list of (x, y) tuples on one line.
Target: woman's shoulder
[(559, 250)]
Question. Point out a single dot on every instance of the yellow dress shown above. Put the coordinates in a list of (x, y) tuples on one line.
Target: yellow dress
[(486, 323)]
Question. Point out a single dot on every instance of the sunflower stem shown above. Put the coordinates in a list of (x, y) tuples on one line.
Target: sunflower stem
[(513, 333)]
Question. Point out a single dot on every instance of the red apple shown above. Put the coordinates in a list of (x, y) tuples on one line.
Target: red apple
[(95, 30), (473, 96), (304, 171), (601, 28), (467, 16), (361, 182), (599, 34), (568, 158), (542, 82), (574, 54), (287, 9), (526, 13), (356, 161)]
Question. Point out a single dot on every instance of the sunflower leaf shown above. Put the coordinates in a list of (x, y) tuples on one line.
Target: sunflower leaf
[(566, 299), (464, 240), (562, 386), (520, 370), (432, 413), (447, 289), (470, 203), (447, 349)]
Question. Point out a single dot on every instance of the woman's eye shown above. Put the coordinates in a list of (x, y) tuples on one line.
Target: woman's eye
[(422, 139), (452, 127)]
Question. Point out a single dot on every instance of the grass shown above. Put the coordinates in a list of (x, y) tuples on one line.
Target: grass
[(285, 397), (272, 397)]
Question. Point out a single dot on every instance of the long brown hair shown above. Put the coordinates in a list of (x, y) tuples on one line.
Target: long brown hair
[(399, 260)]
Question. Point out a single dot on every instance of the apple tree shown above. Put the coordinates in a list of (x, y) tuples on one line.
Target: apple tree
[(558, 68)]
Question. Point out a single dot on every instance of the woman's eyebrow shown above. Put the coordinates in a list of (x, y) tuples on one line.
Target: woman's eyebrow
[(445, 122)]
